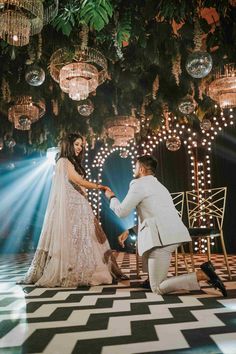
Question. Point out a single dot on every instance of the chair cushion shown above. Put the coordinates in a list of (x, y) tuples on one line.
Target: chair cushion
[(203, 232)]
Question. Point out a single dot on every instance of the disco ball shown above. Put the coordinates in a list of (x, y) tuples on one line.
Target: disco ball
[(34, 75), (187, 105), (85, 108), (10, 143), (199, 64), (1, 144), (205, 124), (173, 144), (24, 122), (124, 154)]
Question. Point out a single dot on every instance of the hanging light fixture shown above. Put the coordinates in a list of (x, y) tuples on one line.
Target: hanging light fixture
[(19, 19), (25, 111), (199, 64), (122, 129), (78, 80), (173, 143), (79, 72), (187, 105), (85, 108), (223, 88)]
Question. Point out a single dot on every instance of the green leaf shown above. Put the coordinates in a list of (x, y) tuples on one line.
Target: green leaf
[(66, 19), (96, 13), (124, 30), (66, 29), (103, 14)]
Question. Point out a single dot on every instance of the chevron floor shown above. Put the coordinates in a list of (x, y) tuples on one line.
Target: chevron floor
[(121, 318)]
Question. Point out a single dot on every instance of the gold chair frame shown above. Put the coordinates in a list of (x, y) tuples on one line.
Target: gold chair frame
[(178, 199), (208, 205)]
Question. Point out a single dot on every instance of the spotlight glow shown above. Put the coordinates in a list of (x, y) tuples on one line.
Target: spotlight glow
[(24, 198), (51, 154)]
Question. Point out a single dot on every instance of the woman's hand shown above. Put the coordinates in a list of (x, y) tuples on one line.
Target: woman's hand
[(104, 188)]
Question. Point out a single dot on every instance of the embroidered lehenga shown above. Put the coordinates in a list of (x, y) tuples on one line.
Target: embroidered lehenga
[(73, 249)]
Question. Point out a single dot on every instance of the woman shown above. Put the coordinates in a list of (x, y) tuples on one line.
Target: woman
[(73, 249)]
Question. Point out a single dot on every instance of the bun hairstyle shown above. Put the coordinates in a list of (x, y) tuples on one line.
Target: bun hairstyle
[(68, 151)]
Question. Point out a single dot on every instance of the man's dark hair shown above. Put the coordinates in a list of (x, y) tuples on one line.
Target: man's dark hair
[(149, 162)]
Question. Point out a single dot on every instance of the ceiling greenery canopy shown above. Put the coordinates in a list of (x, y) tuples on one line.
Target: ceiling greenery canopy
[(150, 48)]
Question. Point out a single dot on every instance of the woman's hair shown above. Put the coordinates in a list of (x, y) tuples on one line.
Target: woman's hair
[(67, 150), (149, 162)]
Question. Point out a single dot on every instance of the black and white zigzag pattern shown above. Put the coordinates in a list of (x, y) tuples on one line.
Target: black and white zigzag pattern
[(120, 318)]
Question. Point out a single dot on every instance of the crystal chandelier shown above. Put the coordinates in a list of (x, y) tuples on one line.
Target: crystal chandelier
[(122, 129), (78, 80), (20, 19), (223, 88), (25, 111), (78, 73)]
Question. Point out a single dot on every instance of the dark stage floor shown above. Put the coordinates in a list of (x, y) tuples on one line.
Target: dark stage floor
[(116, 319)]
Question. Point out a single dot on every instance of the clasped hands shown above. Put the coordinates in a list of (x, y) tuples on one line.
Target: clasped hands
[(107, 190)]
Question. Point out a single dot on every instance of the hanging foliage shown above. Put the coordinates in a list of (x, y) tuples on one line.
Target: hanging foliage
[(95, 13), (146, 44)]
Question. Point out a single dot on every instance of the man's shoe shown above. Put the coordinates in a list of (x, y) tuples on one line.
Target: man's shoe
[(146, 284), (214, 280)]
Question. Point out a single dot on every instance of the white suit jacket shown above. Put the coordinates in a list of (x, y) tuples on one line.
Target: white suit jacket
[(159, 222)]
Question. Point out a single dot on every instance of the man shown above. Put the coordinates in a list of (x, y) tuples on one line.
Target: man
[(160, 230)]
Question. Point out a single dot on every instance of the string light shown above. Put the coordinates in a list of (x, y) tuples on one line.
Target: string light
[(100, 159), (192, 140)]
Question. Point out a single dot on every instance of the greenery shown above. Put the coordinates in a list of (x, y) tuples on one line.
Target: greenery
[(141, 40)]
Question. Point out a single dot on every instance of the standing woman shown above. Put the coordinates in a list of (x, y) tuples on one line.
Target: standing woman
[(73, 249)]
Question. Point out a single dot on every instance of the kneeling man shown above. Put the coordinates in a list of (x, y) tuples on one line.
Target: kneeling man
[(160, 230)]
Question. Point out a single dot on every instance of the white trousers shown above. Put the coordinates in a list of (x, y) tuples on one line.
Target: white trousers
[(158, 259)]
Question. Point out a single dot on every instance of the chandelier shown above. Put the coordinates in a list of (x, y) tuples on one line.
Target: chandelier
[(78, 79), (223, 88), (79, 72), (25, 111), (20, 19), (122, 129)]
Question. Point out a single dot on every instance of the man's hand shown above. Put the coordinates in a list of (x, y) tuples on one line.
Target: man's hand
[(123, 237), (109, 194)]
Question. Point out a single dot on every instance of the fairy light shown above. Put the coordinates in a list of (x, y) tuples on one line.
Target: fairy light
[(91, 192), (190, 138), (100, 159)]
